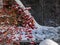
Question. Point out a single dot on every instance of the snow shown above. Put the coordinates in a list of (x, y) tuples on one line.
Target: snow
[(48, 42), (45, 32)]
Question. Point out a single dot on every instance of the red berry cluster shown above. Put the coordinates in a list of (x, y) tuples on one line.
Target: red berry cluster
[(11, 34), (14, 10)]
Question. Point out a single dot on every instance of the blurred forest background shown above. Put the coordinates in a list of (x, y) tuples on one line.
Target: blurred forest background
[(45, 12)]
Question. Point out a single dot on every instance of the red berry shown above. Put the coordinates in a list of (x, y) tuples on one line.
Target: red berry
[(0, 40)]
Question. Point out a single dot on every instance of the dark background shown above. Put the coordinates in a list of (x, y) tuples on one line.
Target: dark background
[(45, 12)]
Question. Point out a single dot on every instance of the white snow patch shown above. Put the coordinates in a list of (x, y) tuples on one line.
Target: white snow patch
[(48, 42)]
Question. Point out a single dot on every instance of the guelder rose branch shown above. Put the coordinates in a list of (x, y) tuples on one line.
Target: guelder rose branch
[(12, 15)]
